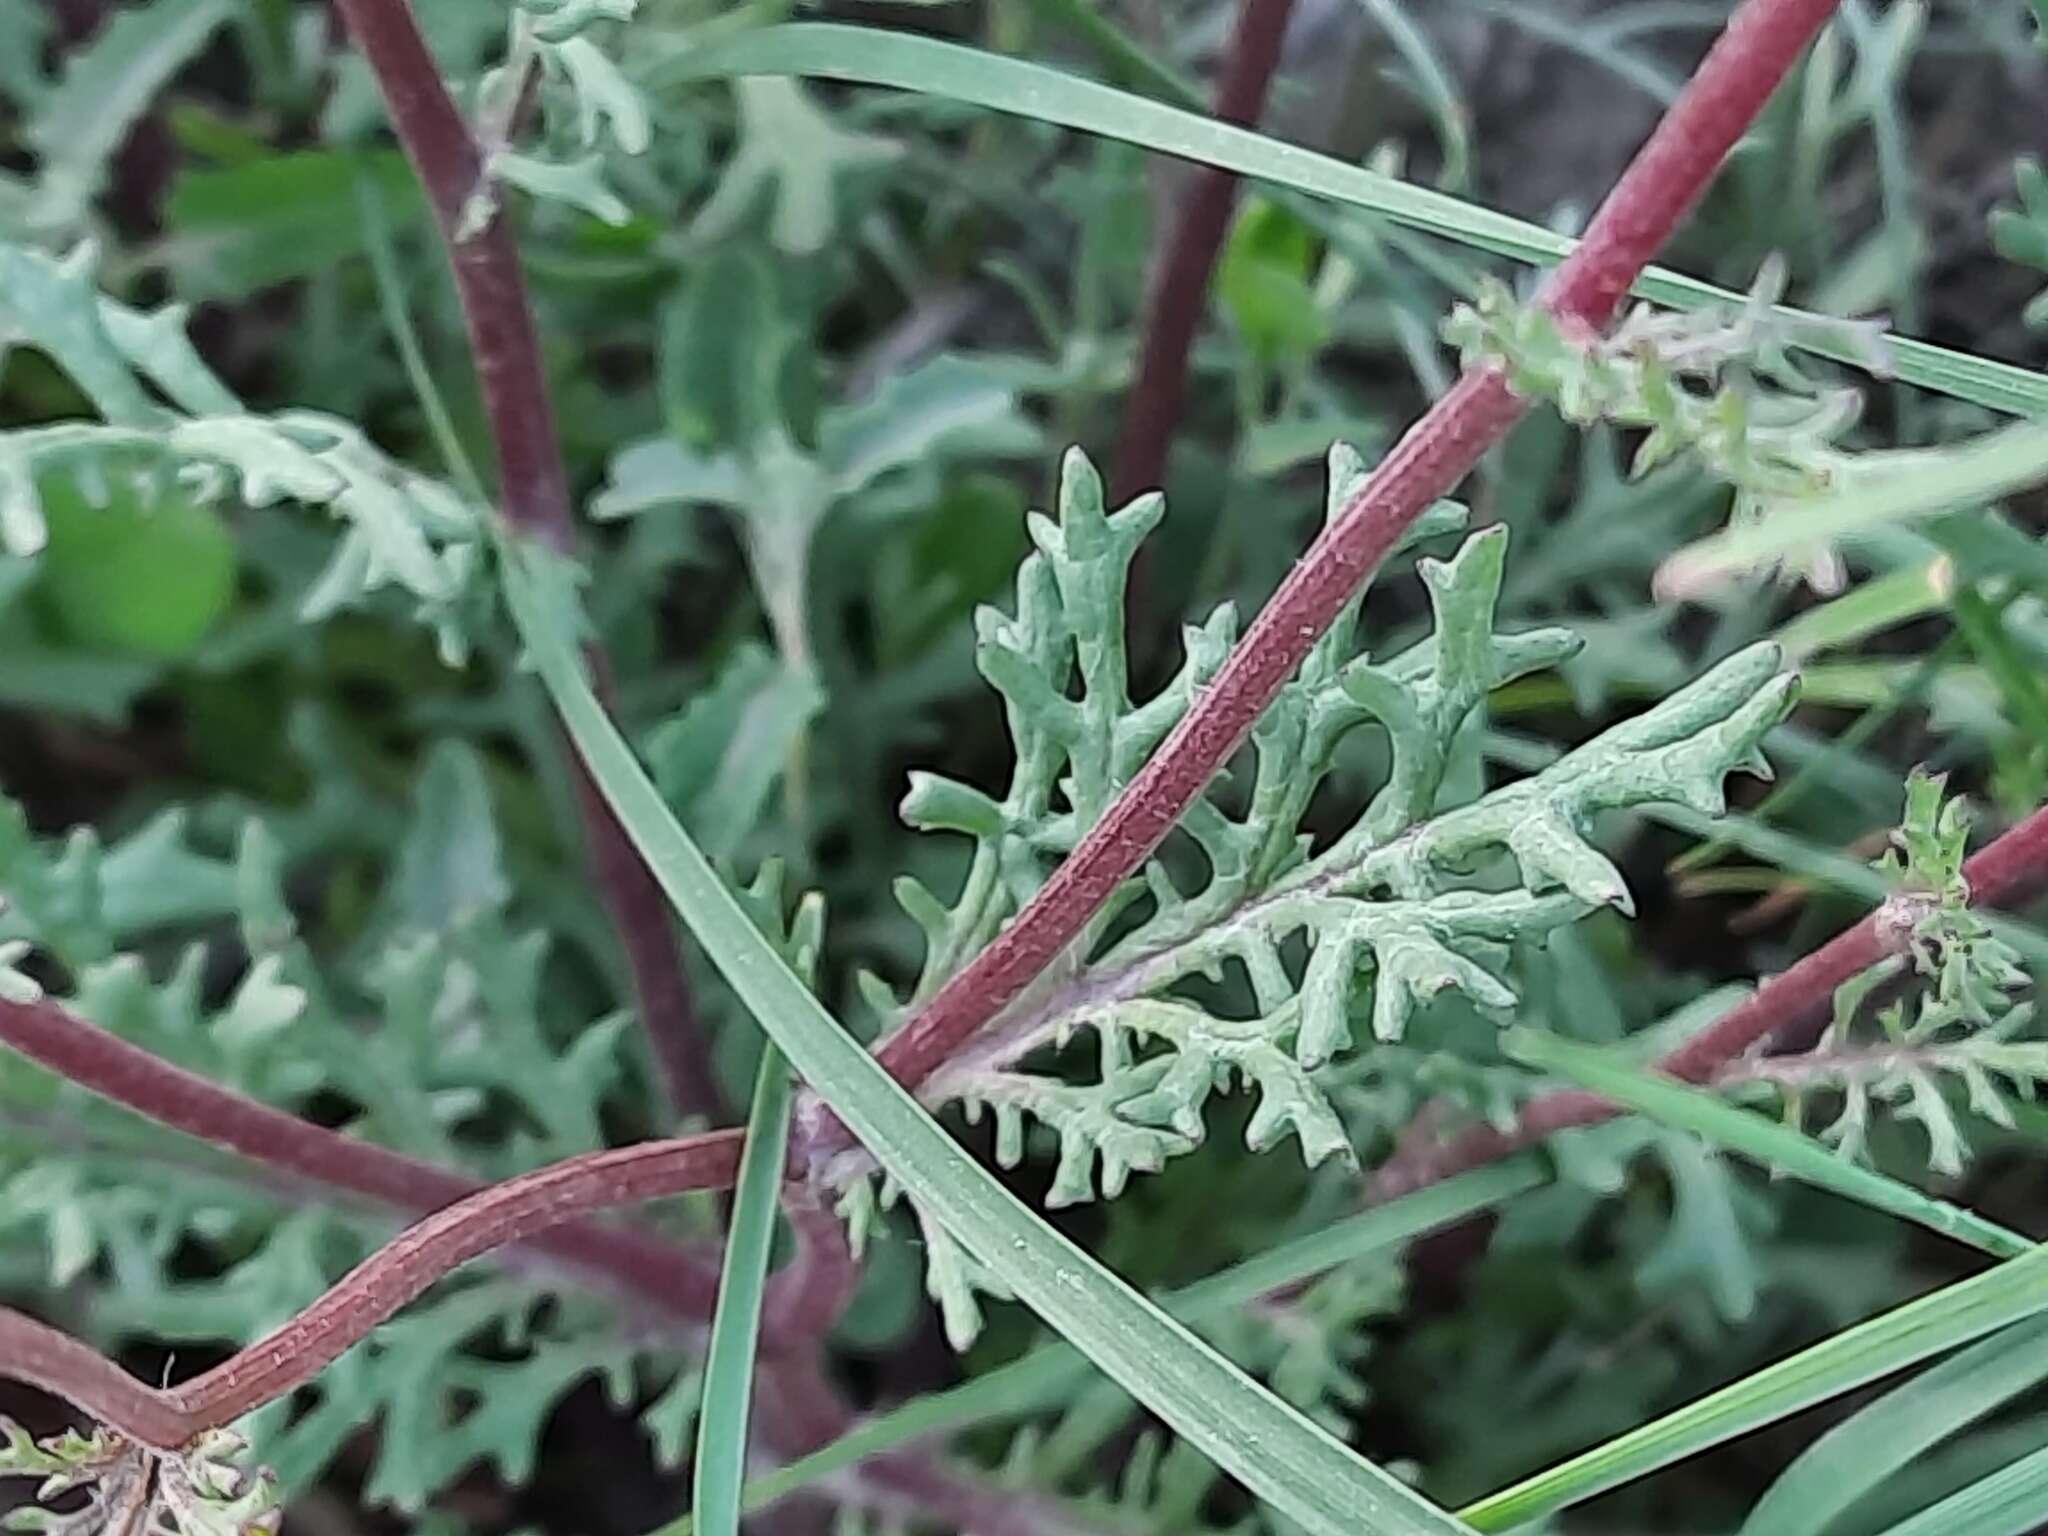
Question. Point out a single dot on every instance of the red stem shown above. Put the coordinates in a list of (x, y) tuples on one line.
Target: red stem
[(533, 489), (679, 1282), (403, 1268), (1762, 40), (2004, 874), (1182, 281), (387, 1280)]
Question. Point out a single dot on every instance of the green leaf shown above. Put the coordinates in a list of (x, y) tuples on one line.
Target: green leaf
[(1777, 1146), (722, 1422), (1876, 489), (134, 573), (1952, 1316), (76, 128), (1263, 279), (2010, 1502), (872, 56), (451, 865), (718, 762), (951, 404), (1284, 1459), (1895, 1431), (23, 29), (283, 217), (787, 144), (1053, 1372), (577, 183)]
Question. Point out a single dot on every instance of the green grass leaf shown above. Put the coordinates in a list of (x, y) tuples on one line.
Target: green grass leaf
[(871, 56), (1893, 1432), (1300, 1470), (1052, 1372), (1876, 490), (736, 1324), (1936, 1323), (2010, 1502), (1687, 1108)]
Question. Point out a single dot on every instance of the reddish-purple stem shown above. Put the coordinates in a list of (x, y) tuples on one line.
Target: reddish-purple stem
[(1182, 281), (387, 1280), (404, 1267), (1762, 40), (681, 1283), (533, 489), (2005, 874)]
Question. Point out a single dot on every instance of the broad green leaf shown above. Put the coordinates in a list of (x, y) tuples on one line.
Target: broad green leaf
[(722, 1435), (287, 216), (871, 56), (718, 762), (2010, 1502), (76, 128), (1263, 278), (1283, 1458), (1051, 1373), (1777, 1146), (131, 573), (451, 865), (1863, 1450)]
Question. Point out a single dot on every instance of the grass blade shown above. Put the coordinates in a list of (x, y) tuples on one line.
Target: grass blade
[(1865, 1449), (1906, 1335), (872, 56), (1053, 1371), (1877, 491), (722, 1419), (1281, 1456), (2010, 1502), (1673, 1103)]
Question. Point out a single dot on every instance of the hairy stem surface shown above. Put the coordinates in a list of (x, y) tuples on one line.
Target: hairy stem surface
[(1762, 40)]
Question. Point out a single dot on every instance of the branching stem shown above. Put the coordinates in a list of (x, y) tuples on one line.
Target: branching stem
[(390, 1278), (677, 1280), (2004, 874), (1762, 40)]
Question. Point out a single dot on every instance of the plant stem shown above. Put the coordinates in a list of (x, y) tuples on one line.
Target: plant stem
[(404, 1267), (681, 1283), (1761, 41), (533, 488), (2004, 874), (1182, 280), (371, 1292), (39, 1355)]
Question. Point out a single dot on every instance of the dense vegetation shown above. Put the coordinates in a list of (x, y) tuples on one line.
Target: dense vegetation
[(1435, 859)]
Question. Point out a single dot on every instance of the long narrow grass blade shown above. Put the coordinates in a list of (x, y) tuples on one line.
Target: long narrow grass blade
[(1893, 1432), (1776, 1146), (723, 1418), (871, 56), (1053, 1372), (1920, 1330), (1301, 1471), (2010, 1502), (1873, 495)]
